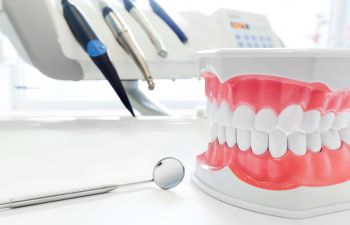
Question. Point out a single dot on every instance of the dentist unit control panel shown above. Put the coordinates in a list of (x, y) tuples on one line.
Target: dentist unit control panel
[(251, 30)]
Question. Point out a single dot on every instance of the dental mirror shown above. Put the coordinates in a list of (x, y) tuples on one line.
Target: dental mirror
[(167, 174)]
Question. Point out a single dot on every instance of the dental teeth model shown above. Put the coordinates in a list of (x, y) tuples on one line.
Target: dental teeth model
[(278, 146)]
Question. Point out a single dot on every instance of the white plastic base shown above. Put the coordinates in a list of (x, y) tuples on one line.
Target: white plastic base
[(297, 203)]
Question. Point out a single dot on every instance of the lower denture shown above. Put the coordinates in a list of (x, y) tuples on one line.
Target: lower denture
[(323, 168)]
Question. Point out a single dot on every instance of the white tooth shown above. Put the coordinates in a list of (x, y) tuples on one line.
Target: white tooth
[(331, 139), (314, 142), (212, 107), (341, 120), (326, 121), (297, 143), (231, 136), (209, 108), (243, 139), (345, 135), (224, 114), (259, 141), (266, 120), (222, 135), (277, 143), (290, 118), (311, 121), (213, 132), (243, 117)]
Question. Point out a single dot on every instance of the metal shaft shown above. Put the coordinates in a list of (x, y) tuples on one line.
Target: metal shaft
[(150, 31), (37, 199)]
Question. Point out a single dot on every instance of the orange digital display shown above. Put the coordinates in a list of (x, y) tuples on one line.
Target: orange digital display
[(239, 26)]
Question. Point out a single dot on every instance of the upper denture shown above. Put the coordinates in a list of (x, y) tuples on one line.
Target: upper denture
[(262, 91)]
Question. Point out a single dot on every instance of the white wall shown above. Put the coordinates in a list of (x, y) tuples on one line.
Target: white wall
[(295, 21)]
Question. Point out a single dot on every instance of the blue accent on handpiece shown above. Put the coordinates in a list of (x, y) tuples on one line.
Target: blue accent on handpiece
[(106, 11), (128, 4), (96, 48)]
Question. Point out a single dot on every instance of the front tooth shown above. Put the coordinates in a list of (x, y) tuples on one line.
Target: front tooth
[(231, 136), (277, 143), (311, 121), (297, 143), (313, 141), (224, 114), (212, 108), (290, 118), (326, 121), (259, 141), (331, 139), (345, 135), (222, 135), (213, 132), (243, 139), (243, 117), (266, 120), (341, 120)]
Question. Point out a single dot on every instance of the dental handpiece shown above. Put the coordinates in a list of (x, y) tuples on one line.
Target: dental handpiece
[(167, 174), (146, 26), (126, 40), (157, 9), (97, 51)]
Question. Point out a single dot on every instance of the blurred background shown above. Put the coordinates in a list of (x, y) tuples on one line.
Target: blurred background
[(299, 24)]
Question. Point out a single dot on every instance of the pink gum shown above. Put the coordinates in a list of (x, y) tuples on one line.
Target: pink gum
[(262, 91), (327, 167)]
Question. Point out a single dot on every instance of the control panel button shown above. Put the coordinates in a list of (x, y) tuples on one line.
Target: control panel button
[(240, 44)]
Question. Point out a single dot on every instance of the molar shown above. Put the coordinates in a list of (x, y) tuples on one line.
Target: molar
[(326, 121), (266, 120), (345, 135), (341, 121), (259, 142), (231, 136), (277, 143), (212, 110), (297, 143), (331, 139), (290, 118), (224, 114), (243, 117), (311, 121), (243, 139)]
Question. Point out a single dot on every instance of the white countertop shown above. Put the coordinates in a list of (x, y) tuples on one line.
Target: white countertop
[(41, 156)]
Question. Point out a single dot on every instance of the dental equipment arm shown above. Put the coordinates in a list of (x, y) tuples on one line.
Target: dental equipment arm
[(95, 49)]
